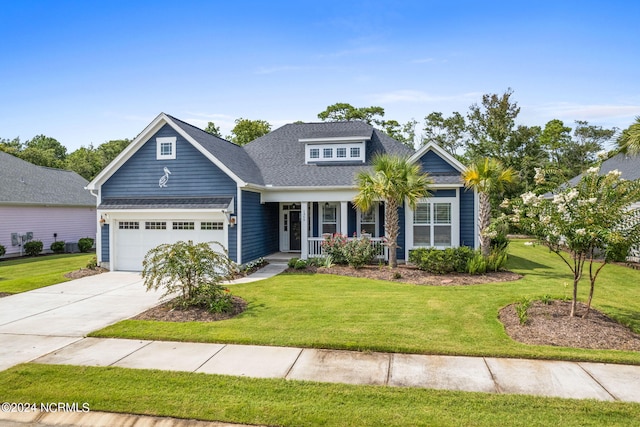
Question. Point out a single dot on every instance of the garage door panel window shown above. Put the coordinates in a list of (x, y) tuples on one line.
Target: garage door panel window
[(211, 226), (129, 225), (155, 225), (183, 225)]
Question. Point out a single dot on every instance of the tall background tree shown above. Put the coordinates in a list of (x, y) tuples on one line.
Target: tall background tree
[(373, 115), (247, 130), (213, 129), (392, 179)]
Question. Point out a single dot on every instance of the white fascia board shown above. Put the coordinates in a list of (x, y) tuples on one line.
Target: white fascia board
[(335, 139), (446, 186), (441, 152), (129, 151), (308, 195), (168, 214), (206, 153)]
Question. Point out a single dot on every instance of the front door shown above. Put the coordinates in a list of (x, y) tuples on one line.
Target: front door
[(295, 231)]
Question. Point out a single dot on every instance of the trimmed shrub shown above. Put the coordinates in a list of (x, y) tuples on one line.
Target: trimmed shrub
[(33, 247), (2, 250), (85, 244), (300, 264), (437, 261), (57, 247)]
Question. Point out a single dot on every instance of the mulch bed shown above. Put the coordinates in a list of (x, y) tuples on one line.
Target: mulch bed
[(4, 294), (550, 324), (410, 274), (166, 313), (84, 272)]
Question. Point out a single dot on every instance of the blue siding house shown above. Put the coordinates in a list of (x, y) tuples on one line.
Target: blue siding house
[(283, 192)]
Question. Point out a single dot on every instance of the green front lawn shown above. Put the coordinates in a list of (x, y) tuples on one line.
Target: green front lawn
[(326, 311), (25, 274), (296, 403)]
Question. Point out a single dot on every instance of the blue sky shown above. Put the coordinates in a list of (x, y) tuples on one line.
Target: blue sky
[(87, 72)]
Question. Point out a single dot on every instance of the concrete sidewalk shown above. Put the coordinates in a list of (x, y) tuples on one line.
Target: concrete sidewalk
[(582, 380)]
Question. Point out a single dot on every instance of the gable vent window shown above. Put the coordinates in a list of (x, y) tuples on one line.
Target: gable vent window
[(327, 153), (211, 226), (314, 153), (180, 225), (166, 148), (341, 152), (155, 225)]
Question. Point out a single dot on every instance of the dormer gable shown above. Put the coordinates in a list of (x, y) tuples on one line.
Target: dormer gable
[(339, 150)]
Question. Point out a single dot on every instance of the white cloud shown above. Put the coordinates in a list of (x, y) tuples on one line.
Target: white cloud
[(589, 111)]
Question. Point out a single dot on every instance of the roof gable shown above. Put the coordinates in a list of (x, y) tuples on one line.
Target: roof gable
[(628, 165), (22, 182), (229, 157)]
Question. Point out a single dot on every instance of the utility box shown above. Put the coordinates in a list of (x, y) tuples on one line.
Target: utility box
[(71, 248)]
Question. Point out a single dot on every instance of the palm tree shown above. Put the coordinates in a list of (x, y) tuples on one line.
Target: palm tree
[(487, 176), (393, 179), (629, 141)]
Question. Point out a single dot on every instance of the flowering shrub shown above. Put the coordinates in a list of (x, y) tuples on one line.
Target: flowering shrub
[(334, 246), (582, 222), (359, 252)]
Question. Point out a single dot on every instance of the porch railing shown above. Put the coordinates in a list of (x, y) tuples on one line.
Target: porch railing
[(315, 247)]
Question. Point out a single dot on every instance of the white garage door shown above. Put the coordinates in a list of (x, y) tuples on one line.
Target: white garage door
[(133, 238)]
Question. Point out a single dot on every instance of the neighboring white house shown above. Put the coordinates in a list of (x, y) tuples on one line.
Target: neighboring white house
[(629, 167), (45, 203)]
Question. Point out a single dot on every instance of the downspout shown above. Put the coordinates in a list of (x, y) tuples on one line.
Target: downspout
[(99, 229)]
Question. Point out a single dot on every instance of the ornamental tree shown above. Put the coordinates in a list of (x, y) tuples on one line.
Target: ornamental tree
[(588, 224), (191, 270)]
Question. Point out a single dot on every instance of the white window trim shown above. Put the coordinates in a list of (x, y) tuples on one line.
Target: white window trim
[(337, 219), (334, 157), (455, 222), (164, 140)]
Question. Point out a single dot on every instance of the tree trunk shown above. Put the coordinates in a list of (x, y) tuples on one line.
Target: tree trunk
[(391, 229), (484, 219)]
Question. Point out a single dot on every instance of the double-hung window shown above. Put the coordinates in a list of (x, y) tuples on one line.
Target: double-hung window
[(368, 221), (329, 218), (432, 224)]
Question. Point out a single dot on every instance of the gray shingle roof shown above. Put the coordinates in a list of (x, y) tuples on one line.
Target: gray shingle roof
[(280, 155), (629, 166), (231, 155), (166, 203), (25, 183)]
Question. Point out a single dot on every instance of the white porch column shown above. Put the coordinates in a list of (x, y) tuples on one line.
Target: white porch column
[(304, 225), (344, 218)]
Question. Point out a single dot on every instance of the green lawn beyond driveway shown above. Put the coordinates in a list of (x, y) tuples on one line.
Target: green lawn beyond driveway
[(25, 274), (326, 311)]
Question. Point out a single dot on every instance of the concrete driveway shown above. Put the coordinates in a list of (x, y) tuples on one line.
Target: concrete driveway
[(38, 322)]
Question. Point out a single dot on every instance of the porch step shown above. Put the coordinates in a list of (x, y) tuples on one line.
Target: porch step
[(281, 257)]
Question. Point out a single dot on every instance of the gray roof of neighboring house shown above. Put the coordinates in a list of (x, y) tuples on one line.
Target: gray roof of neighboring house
[(166, 203), (280, 156), (231, 155), (628, 165), (24, 183)]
